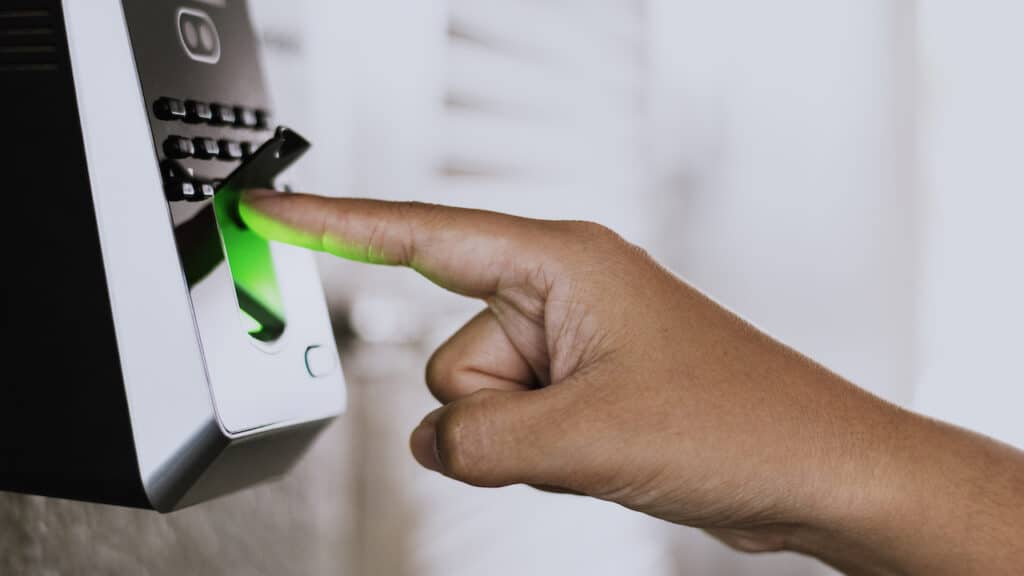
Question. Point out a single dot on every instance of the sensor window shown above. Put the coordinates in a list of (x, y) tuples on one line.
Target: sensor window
[(260, 304)]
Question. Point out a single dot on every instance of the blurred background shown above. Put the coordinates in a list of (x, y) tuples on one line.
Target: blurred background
[(847, 174)]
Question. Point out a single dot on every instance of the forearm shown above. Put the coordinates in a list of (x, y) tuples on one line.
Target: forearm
[(932, 499), (846, 477), (868, 487)]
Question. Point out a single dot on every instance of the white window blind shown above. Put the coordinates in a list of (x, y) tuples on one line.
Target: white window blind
[(541, 109)]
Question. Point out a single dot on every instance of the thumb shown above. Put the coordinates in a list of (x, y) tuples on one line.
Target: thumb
[(467, 251), (497, 438)]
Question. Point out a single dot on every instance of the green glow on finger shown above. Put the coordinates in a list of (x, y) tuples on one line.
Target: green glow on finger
[(351, 251), (271, 228)]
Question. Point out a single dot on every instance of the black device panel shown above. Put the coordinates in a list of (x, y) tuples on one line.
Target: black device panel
[(63, 391), (202, 83)]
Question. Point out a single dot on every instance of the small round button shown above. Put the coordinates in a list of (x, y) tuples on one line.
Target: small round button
[(320, 361)]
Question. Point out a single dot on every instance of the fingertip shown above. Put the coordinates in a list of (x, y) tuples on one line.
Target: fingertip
[(253, 206), (423, 443), (269, 214)]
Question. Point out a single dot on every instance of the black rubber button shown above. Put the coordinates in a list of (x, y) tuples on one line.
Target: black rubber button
[(206, 148), (198, 112), (223, 114), (230, 150), (178, 147), (169, 109), (246, 117)]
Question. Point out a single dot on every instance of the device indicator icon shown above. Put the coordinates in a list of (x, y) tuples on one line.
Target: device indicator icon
[(198, 35)]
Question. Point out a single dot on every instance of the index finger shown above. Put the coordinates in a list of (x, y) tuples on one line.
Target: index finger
[(467, 251)]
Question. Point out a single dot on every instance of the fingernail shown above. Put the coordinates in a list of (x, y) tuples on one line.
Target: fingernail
[(424, 447)]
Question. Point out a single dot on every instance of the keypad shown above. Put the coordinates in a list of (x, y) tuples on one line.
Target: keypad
[(217, 137), (217, 114)]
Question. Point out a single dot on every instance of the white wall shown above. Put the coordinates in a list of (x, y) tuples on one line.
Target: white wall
[(971, 367)]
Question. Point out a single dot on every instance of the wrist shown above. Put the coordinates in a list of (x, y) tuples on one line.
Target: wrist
[(857, 497), (924, 498)]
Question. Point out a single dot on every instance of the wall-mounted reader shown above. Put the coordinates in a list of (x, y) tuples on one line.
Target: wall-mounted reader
[(169, 354)]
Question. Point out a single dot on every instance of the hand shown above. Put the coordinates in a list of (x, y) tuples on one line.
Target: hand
[(595, 370)]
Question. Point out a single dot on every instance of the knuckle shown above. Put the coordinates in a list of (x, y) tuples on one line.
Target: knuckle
[(458, 443), (439, 366), (374, 248), (591, 232), (638, 252), (463, 439), (447, 377), (589, 245), (593, 229), (437, 373), (427, 214), (406, 235), (418, 217)]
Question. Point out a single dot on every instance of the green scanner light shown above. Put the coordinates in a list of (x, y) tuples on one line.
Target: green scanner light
[(261, 305), (250, 324)]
